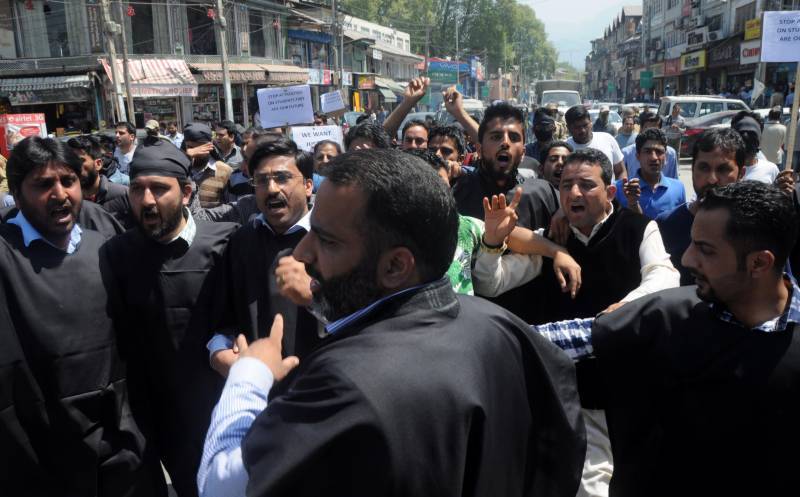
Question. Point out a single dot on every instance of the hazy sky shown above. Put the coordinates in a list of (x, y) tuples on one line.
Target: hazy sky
[(572, 24)]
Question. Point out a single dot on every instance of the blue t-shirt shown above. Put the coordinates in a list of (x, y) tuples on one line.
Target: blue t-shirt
[(676, 231), (632, 162), (669, 194), (625, 140)]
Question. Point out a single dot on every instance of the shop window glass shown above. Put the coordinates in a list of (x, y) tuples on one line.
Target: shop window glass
[(202, 38), (143, 38), (55, 17), (710, 107), (257, 46), (688, 109), (735, 106)]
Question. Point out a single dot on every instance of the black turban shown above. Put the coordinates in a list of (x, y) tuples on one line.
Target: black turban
[(159, 158)]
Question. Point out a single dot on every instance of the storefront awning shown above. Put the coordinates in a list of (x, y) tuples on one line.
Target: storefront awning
[(388, 96), (157, 77), (240, 73), (389, 84), (45, 83), (285, 74)]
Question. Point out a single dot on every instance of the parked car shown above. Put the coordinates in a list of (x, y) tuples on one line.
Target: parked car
[(613, 118), (693, 106), (697, 125), (611, 106)]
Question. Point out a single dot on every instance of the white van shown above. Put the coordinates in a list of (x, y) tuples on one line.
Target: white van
[(699, 105)]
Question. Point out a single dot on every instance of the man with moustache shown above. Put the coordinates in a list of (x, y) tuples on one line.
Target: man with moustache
[(648, 120), (208, 171), (94, 186), (382, 406), (703, 375), (262, 278), (583, 136), (551, 161), (718, 159), (65, 427), (161, 278)]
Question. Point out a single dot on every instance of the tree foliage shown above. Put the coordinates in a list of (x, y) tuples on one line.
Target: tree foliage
[(503, 33)]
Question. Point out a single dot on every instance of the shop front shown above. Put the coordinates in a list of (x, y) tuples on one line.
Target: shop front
[(69, 103), (672, 71), (657, 91), (692, 69), (724, 66), (158, 87), (364, 94)]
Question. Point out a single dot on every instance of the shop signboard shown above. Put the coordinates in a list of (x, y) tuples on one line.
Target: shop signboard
[(287, 105), (307, 136), (725, 54), (347, 78), (752, 29), (696, 38), (366, 82), (314, 76), (16, 127), (658, 70), (47, 96), (646, 79), (693, 61), (94, 22), (377, 54), (750, 52), (686, 9), (672, 67)]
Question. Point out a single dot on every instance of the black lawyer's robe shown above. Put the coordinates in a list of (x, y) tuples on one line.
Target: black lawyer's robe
[(161, 300), (695, 405), (431, 394), (249, 298), (65, 424)]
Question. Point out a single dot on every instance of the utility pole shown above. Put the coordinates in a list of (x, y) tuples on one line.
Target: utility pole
[(427, 47), (125, 69), (226, 74), (334, 30), (110, 28), (458, 64)]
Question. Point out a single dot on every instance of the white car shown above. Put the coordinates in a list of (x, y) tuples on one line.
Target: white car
[(786, 115), (613, 118)]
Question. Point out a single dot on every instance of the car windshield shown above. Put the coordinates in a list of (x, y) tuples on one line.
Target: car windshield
[(562, 99)]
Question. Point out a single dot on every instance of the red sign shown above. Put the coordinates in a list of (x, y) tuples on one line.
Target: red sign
[(672, 67), (16, 127), (686, 10)]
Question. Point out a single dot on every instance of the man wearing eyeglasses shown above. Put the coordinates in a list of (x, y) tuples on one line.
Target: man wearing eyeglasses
[(262, 278)]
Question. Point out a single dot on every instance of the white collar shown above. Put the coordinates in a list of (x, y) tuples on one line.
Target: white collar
[(585, 239), (304, 223)]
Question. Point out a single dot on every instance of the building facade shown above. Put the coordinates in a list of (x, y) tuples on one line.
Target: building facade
[(614, 64)]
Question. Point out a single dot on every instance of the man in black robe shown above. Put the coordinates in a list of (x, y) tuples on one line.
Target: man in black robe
[(415, 391), (65, 422), (700, 383), (94, 185), (160, 277), (262, 278)]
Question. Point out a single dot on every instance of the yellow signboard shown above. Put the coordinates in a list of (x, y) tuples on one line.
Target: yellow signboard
[(694, 60), (752, 29)]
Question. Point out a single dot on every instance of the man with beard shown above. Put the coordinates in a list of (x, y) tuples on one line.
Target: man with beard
[(225, 140), (161, 278), (448, 143), (125, 145), (65, 427), (501, 145), (701, 375), (94, 186), (544, 127), (718, 159), (382, 406), (757, 168), (650, 192), (208, 171), (579, 123), (262, 279)]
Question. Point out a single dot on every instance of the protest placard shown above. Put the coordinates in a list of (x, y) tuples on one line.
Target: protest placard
[(332, 102), (286, 105), (308, 136)]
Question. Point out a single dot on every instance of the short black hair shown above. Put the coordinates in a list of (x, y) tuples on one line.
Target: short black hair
[(761, 217), (108, 142), (412, 123), (407, 204), (747, 113), (430, 157), (575, 113), (283, 147), (544, 150), (370, 131), (360, 119), (228, 126), (34, 152), (726, 139), (594, 157), (451, 131), (87, 144), (128, 126), (327, 142), (502, 110), (647, 116), (775, 113), (650, 134)]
